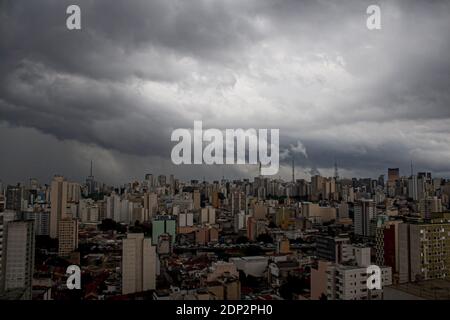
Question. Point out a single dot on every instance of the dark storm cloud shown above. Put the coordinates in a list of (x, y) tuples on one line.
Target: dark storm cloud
[(74, 84), (139, 69)]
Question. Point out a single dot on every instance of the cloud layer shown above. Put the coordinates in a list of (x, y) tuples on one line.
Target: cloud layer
[(139, 69)]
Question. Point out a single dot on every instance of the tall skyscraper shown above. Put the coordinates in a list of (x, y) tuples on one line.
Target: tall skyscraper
[(317, 183), (90, 181), (364, 212), (412, 188), (2, 203), (18, 263), (58, 200), (67, 236), (162, 180), (14, 198), (2, 240), (138, 264), (149, 180), (393, 174), (151, 205), (424, 249), (208, 215), (430, 205), (238, 200), (196, 199), (387, 246)]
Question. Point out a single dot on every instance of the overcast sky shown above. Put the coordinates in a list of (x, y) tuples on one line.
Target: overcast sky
[(114, 91)]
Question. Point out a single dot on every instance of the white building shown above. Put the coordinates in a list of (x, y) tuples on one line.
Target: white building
[(185, 219), (138, 264), (18, 257), (345, 282), (254, 266), (208, 215)]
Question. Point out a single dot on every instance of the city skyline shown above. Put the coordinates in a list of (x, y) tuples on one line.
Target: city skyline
[(219, 157), (161, 239), (285, 179)]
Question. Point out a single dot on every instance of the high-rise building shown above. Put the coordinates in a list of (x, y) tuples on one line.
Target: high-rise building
[(343, 210), (90, 181), (429, 205), (196, 197), (387, 246), (412, 188), (424, 249), (238, 200), (215, 199), (5, 218), (113, 207), (381, 180), (73, 192), (172, 183), (317, 213), (58, 200), (151, 204), (260, 212), (14, 198), (393, 174), (364, 212), (67, 236), (425, 176), (162, 180), (149, 179), (332, 248), (186, 219), (138, 264), (41, 221), (317, 186), (18, 262), (208, 215), (164, 224), (2, 203), (2, 237)]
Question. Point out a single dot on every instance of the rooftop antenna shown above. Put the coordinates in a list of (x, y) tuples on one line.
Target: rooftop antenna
[(91, 170), (293, 169), (412, 171), (336, 172)]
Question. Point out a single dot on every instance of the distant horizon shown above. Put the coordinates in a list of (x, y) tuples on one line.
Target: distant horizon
[(200, 179)]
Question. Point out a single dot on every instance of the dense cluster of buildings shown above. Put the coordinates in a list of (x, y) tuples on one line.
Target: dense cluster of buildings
[(161, 238)]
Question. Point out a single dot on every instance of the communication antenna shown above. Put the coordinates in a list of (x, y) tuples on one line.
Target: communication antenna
[(336, 172)]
